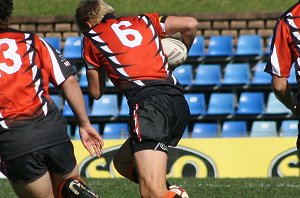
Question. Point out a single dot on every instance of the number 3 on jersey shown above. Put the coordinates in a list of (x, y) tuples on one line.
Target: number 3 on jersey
[(10, 60), (123, 34)]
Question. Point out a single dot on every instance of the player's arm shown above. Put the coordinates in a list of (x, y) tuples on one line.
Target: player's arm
[(96, 82), (283, 92), (90, 138), (187, 26)]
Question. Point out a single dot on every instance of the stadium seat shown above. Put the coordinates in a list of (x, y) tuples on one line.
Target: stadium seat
[(251, 103), (221, 103), (186, 133), (197, 48), (54, 42), (268, 48), (208, 74), (72, 47), (67, 111), (109, 83), (83, 82), (57, 100), (292, 78), (107, 105), (220, 46), (236, 74), (205, 130), (184, 74), (196, 102), (249, 45), (234, 129), (260, 77), (263, 129), (289, 128), (274, 106), (124, 109), (115, 131)]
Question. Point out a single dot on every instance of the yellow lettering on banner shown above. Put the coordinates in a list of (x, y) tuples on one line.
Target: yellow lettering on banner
[(92, 171), (285, 168), (177, 167)]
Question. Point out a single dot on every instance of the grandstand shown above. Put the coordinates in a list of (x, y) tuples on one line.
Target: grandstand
[(244, 43)]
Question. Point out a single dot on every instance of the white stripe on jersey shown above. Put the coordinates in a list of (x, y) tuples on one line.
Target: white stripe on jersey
[(114, 59), (275, 63), (59, 77), (157, 44), (2, 123)]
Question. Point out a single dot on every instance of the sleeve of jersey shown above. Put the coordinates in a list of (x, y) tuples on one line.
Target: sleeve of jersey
[(58, 67), (281, 57), (90, 55), (158, 22)]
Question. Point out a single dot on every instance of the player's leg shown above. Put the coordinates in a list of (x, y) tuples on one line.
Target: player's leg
[(151, 167), (65, 173), (40, 188), (123, 162)]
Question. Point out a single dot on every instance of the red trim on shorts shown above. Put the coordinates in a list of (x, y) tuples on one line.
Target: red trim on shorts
[(136, 122)]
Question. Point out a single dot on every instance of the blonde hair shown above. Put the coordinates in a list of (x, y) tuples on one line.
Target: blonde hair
[(91, 12)]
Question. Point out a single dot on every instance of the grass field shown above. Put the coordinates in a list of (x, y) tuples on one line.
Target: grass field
[(67, 7), (196, 188)]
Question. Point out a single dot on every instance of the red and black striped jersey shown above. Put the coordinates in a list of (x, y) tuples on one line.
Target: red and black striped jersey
[(27, 66), (129, 50), (285, 47)]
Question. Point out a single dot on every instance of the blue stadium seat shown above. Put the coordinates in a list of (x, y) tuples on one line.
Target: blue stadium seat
[(196, 102), (249, 45), (72, 47), (115, 131), (124, 109), (54, 41), (234, 129), (184, 74), (83, 82), (107, 105), (221, 103), (208, 74), (263, 129), (236, 74), (268, 48), (289, 128), (67, 111), (197, 48), (274, 106), (186, 133), (220, 46), (205, 130), (251, 103), (292, 78), (57, 100), (260, 77)]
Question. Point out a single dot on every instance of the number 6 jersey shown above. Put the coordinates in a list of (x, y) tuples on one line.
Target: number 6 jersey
[(130, 51)]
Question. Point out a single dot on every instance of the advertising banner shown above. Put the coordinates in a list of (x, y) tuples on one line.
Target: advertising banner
[(214, 157)]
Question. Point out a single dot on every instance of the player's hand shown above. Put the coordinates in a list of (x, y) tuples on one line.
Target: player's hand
[(91, 140)]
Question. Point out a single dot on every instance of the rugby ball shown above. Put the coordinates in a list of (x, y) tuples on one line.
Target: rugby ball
[(175, 50)]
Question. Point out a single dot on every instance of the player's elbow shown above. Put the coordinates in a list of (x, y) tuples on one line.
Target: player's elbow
[(192, 23), (95, 94), (279, 84)]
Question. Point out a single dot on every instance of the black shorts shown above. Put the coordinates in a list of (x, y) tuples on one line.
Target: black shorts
[(58, 159), (158, 121)]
